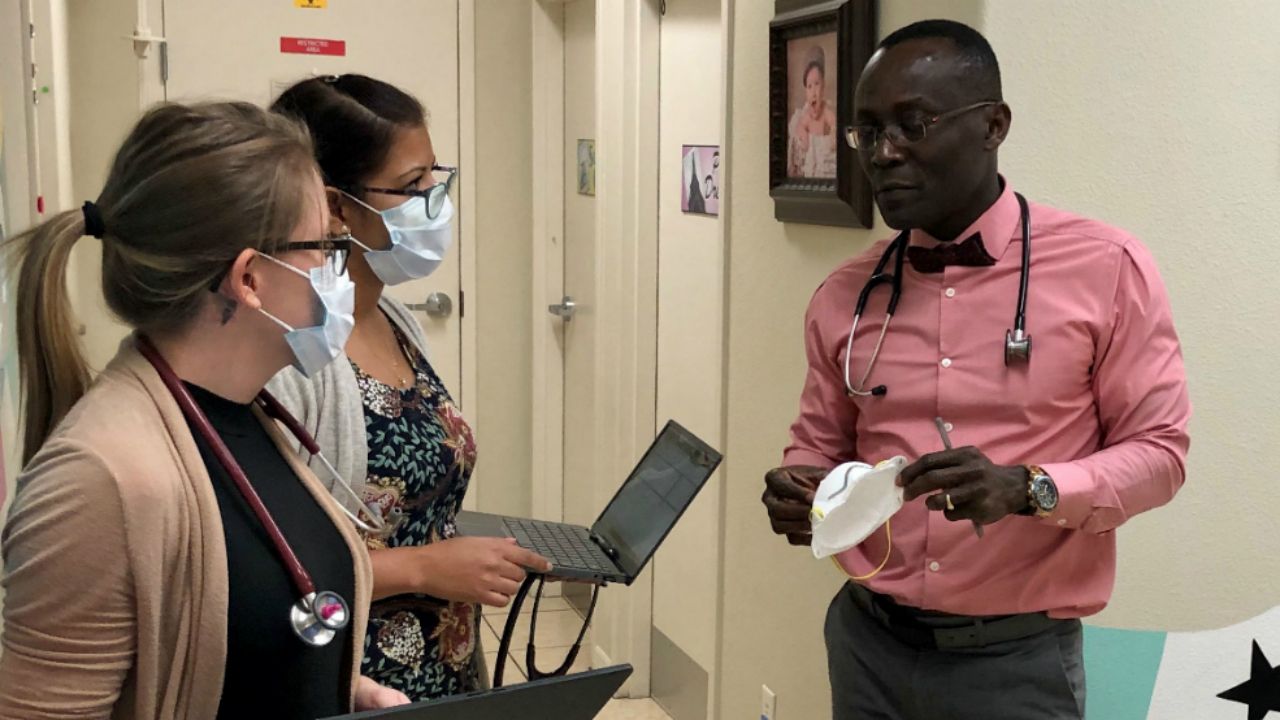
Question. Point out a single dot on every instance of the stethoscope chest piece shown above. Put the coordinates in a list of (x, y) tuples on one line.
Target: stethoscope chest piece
[(318, 617), (1017, 347)]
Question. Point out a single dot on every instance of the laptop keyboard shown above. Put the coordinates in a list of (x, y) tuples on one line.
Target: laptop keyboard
[(559, 544)]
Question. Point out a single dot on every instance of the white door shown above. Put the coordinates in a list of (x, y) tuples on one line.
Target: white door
[(252, 50)]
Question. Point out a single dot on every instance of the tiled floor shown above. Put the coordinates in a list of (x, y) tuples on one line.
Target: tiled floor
[(558, 627), (632, 710)]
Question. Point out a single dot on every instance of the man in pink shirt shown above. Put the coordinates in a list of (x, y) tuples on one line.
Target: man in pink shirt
[(1053, 451)]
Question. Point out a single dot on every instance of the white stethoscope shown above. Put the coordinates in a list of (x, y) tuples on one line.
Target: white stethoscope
[(318, 615), (1017, 343)]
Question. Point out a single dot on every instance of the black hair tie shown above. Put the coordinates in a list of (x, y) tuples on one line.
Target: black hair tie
[(93, 223)]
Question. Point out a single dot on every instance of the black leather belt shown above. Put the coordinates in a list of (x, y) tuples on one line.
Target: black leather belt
[(936, 631)]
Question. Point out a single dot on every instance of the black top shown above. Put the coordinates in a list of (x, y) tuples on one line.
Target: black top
[(270, 671)]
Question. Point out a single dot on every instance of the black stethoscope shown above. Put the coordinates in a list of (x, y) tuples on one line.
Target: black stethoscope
[(1017, 343), (318, 615)]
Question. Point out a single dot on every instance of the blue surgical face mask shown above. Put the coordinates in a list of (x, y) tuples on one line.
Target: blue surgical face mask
[(319, 344), (418, 242)]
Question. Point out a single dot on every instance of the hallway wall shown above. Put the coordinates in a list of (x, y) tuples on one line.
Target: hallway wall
[(690, 340)]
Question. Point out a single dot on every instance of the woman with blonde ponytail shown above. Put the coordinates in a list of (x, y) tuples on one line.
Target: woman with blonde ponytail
[(162, 535)]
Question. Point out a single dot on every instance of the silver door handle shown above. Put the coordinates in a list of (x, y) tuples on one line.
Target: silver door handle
[(438, 305), (565, 309)]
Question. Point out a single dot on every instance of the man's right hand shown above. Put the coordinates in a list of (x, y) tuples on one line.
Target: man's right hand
[(788, 496)]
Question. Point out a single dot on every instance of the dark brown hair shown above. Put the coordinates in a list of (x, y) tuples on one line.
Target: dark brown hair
[(352, 120)]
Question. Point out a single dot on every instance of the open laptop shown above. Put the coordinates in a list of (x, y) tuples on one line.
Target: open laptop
[(569, 697), (618, 546)]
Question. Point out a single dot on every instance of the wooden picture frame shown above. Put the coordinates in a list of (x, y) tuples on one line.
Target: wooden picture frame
[(802, 183)]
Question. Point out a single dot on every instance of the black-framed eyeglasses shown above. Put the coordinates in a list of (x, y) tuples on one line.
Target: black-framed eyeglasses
[(902, 134), (434, 195), (336, 253)]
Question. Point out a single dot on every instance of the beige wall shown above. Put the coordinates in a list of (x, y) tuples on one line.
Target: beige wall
[(690, 315), (1169, 125), (503, 217), (105, 102)]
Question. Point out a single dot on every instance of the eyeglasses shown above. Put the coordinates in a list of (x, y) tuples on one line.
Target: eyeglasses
[(434, 195), (336, 251), (902, 134)]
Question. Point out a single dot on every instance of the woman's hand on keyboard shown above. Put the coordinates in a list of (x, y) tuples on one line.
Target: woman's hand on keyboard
[(476, 569)]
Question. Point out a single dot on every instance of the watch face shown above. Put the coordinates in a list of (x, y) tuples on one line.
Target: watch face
[(1046, 493)]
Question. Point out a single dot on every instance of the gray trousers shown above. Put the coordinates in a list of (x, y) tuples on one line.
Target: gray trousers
[(876, 676)]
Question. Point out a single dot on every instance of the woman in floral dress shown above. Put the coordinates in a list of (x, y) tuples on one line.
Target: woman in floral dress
[(381, 415)]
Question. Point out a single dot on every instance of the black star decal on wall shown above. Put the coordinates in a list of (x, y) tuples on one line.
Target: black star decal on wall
[(1261, 692)]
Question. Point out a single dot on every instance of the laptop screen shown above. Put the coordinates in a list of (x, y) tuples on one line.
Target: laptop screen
[(655, 495)]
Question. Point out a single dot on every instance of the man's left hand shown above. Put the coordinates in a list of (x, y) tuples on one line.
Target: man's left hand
[(979, 489)]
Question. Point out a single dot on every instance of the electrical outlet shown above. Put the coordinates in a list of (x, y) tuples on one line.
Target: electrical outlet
[(768, 704)]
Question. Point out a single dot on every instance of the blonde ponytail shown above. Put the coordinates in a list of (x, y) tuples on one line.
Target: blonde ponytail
[(190, 188), (50, 358)]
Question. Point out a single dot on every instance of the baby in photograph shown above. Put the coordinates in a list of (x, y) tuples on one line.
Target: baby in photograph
[(812, 130)]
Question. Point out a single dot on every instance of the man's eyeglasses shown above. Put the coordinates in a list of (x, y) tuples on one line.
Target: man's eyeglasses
[(902, 134), (434, 195)]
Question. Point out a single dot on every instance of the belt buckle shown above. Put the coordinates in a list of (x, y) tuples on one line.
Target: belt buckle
[(968, 636)]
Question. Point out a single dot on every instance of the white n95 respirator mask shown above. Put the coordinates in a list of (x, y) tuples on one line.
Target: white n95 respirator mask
[(852, 502)]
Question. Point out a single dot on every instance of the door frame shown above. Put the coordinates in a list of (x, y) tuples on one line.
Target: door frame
[(466, 246), (21, 171), (625, 365), (546, 357)]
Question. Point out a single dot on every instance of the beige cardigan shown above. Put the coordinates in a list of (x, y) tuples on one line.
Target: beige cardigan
[(115, 567)]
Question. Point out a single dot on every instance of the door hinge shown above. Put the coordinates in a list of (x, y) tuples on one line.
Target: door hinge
[(164, 62), (462, 304)]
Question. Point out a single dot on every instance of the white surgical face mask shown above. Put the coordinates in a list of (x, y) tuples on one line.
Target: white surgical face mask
[(852, 502), (418, 243), (319, 344)]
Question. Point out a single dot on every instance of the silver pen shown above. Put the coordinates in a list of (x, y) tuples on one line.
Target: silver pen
[(946, 443)]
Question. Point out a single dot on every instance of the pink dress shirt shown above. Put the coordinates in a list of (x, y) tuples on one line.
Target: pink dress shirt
[(1102, 407)]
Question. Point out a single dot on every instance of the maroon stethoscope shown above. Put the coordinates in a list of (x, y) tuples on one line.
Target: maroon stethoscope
[(318, 615)]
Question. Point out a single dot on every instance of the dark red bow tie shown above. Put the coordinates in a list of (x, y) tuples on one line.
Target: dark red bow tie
[(967, 253)]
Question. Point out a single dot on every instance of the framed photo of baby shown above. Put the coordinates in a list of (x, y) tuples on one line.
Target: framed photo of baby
[(811, 106), (816, 50)]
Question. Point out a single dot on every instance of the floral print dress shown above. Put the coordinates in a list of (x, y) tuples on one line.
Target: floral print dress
[(421, 453)]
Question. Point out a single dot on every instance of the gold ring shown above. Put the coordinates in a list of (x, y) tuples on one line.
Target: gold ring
[(950, 505)]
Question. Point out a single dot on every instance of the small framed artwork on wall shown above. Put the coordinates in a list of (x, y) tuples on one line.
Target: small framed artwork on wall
[(700, 173), (586, 167), (817, 48)]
